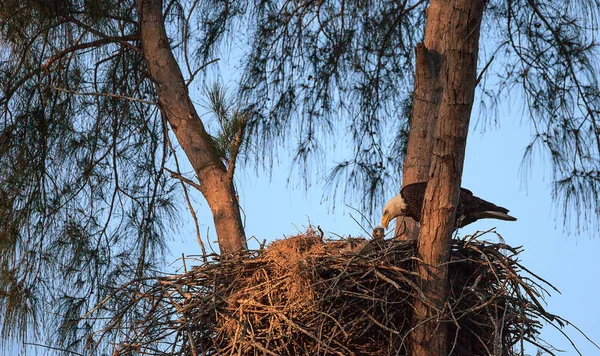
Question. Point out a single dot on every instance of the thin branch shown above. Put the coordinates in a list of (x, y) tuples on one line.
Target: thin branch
[(485, 68), (44, 67), (235, 146), (52, 348), (116, 39), (183, 179), (109, 95), (185, 192), (193, 75)]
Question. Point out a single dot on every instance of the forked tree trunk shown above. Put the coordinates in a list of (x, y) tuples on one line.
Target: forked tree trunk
[(174, 100), (455, 27)]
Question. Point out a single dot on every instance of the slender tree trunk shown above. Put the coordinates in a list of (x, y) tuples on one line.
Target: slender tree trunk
[(174, 100), (456, 27)]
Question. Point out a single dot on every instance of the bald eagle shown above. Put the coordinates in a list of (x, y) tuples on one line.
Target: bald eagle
[(470, 208)]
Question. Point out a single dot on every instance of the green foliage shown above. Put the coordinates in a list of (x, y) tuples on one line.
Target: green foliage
[(314, 62), (551, 53), (84, 202), (231, 121), (316, 67)]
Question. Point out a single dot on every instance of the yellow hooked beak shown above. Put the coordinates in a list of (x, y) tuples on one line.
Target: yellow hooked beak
[(385, 219)]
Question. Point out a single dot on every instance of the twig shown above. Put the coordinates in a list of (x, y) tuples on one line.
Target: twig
[(182, 178), (108, 95), (52, 348), (185, 191), (485, 68)]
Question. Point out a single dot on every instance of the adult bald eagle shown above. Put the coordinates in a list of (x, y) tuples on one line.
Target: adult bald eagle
[(470, 208)]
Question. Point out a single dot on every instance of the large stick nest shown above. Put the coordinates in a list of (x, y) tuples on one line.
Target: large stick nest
[(303, 296)]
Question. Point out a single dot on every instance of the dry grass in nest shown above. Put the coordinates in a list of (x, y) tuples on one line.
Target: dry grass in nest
[(302, 296)]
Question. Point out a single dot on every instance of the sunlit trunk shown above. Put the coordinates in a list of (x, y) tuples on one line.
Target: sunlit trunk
[(173, 97), (426, 99), (441, 123)]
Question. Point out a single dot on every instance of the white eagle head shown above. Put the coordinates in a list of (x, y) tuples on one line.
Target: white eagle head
[(393, 208)]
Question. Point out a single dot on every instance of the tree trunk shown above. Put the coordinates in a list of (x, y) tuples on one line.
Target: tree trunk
[(173, 98), (426, 99), (456, 27)]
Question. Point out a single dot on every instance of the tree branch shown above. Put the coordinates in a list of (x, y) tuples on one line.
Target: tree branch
[(183, 179), (44, 67), (235, 147)]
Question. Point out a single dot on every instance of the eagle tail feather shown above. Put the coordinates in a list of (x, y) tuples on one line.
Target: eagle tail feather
[(489, 214)]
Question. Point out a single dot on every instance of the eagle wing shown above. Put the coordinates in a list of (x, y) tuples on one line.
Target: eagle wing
[(413, 195), (472, 208)]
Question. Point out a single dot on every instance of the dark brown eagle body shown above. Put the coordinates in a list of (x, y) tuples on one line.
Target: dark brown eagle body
[(470, 208)]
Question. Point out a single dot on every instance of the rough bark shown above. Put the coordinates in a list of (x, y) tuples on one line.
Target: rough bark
[(458, 37), (426, 99), (174, 100)]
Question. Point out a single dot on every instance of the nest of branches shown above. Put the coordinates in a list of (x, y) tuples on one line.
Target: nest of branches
[(303, 296)]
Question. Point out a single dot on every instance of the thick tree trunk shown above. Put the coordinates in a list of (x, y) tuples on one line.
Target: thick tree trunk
[(426, 99), (456, 27), (173, 98)]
